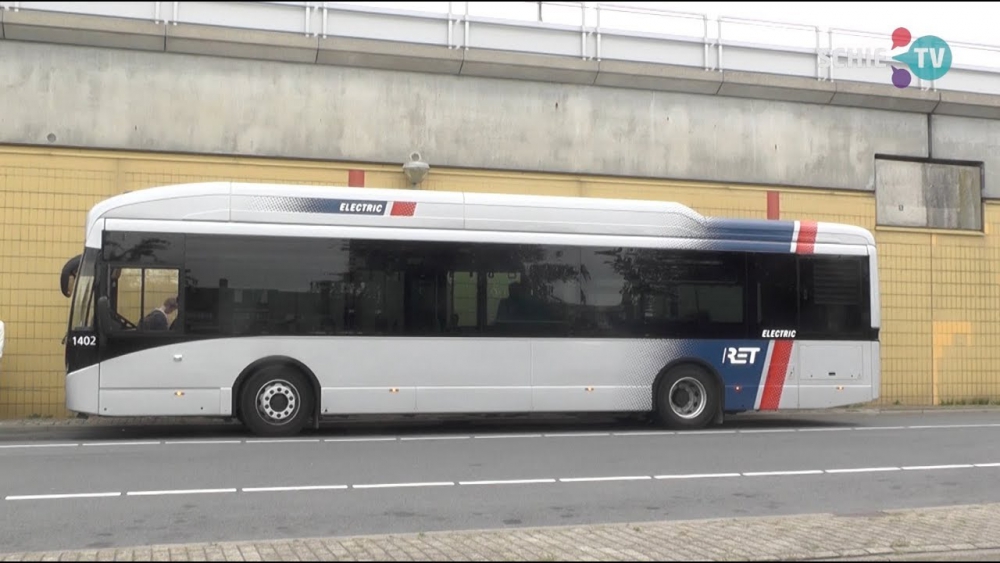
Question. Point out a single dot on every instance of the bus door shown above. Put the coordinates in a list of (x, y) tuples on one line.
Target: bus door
[(140, 316)]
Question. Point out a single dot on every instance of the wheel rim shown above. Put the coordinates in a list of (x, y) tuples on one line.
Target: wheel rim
[(277, 402), (688, 398)]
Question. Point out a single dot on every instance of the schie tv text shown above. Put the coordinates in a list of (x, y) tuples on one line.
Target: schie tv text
[(854, 58)]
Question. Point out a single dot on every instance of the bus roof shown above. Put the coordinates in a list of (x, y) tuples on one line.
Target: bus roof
[(291, 204)]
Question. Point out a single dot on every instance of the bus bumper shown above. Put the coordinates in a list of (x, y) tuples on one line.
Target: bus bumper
[(83, 390)]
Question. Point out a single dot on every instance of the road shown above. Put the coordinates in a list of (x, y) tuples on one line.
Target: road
[(102, 486)]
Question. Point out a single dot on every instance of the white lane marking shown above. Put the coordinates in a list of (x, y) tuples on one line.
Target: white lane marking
[(495, 482), (937, 467), (15, 446), (97, 444), (645, 433), (202, 442), (880, 428), (395, 485), (595, 479), (444, 437), (508, 482), (285, 441), (862, 470), (501, 436), (783, 473), (768, 431), (293, 489), (705, 432), (931, 426), (834, 429), (578, 435), (697, 476), (62, 496), (178, 492), (378, 439)]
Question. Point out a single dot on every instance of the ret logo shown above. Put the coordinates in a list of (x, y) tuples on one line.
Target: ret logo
[(740, 356)]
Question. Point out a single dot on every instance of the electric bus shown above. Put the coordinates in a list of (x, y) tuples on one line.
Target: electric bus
[(279, 305)]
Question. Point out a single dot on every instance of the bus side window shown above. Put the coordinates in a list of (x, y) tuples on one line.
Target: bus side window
[(834, 299), (776, 285), (160, 292), (146, 297), (463, 311), (127, 301)]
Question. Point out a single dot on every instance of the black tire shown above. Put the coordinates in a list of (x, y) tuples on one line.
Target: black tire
[(289, 407), (695, 398)]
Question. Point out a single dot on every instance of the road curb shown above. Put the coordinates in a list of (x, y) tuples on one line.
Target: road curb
[(196, 421)]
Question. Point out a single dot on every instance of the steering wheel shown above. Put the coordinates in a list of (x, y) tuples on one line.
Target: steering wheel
[(126, 324)]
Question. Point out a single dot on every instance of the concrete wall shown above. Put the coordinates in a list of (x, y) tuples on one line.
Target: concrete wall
[(934, 195), (964, 138), (104, 98)]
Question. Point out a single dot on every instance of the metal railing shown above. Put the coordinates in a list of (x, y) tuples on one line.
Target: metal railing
[(601, 31)]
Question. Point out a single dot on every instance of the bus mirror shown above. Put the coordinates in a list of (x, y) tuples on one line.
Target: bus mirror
[(68, 274)]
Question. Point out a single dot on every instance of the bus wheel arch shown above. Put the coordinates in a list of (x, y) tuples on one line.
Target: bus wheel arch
[(689, 371), (292, 371)]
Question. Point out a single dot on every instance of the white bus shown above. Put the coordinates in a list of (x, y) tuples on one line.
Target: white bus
[(297, 302)]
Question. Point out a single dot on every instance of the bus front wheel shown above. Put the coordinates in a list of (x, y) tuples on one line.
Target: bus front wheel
[(688, 398), (276, 401)]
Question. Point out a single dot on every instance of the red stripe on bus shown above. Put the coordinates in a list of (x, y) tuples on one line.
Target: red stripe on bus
[(403, 208), (774, 384), (807, 237)]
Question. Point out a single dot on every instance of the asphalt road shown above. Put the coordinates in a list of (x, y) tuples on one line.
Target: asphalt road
[(66, 487)]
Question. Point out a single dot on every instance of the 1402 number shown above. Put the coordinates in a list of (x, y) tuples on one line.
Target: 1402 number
[(84, 341)]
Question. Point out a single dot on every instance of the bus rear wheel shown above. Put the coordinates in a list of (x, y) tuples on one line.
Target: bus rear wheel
[(688, 398), (276, 401)]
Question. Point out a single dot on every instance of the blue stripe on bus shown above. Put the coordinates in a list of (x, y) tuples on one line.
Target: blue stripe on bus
[(751, 230), (749, 235), (741, 381)]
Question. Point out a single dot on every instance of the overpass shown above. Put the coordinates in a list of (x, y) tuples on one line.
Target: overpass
[(333, 81)]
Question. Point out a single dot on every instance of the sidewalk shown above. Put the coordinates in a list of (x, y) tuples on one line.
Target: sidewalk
[(963, 533)]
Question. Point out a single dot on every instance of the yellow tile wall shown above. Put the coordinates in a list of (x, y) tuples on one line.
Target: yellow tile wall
[(939, 290)]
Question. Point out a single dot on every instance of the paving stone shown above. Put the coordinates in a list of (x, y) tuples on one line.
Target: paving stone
[(960, 530)]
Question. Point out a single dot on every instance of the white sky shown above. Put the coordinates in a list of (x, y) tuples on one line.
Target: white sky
[(956, 22), (966, 22)]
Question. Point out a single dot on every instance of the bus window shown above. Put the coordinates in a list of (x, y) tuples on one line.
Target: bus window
[(146, 297), (498, 295), (681, 294), (464, 312), (776, 287), (148, 249), (834, 301)]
